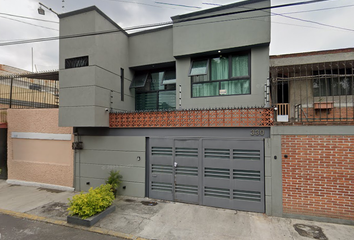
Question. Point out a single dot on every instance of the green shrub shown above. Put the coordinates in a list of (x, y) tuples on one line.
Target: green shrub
[(95, 201), (115, 179)]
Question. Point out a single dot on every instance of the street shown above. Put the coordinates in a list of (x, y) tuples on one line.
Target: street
[(12, 228)]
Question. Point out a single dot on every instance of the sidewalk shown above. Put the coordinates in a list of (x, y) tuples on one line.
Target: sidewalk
[(165, 220)]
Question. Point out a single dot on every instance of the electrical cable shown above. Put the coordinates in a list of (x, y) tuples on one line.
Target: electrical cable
[(166, 23), (29, 23), (20, 16)]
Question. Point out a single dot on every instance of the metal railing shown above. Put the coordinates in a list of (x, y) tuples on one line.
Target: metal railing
[(17, 91), (321, 92)]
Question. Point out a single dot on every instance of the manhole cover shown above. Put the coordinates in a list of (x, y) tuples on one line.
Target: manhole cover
[(147, 203), (129, 200), (310, 231)]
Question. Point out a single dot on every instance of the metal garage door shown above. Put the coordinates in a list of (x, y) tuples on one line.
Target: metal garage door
[(213, 172)]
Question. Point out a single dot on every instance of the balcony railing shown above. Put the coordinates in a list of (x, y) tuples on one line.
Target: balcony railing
[(237, 117), (314, 93)]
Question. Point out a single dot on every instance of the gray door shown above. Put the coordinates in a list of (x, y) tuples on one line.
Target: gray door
[(212, 172), (233, 175)]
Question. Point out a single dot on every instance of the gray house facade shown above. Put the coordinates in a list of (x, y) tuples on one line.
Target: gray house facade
[(178, 110)]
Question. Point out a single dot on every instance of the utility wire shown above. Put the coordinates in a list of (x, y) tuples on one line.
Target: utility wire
[(19, 16), (159, 25), (29, 23)]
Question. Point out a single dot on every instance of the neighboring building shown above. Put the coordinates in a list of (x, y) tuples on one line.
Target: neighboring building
[(314, 134), (314, 86), (214, 61)]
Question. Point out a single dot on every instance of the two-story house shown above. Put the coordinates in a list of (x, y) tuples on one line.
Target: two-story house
[(178, 110)]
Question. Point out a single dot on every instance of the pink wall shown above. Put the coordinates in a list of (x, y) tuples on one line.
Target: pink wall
[(39, 160)]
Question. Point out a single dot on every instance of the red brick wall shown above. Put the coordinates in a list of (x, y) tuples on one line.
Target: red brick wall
[(318, 175)]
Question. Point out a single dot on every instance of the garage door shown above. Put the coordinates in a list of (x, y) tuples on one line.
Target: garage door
[(213, 172)]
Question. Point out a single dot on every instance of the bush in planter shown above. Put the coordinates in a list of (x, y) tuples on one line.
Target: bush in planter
[(114, 179), (95, 201)]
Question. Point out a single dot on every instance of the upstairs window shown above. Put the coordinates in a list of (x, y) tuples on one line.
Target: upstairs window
[(76, 62), (223, 75), (155, 90), (334, 82)]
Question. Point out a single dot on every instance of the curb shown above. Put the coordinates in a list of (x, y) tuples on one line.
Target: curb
[(65, 224)]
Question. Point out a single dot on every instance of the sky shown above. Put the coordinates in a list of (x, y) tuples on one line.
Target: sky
[(311, 27)]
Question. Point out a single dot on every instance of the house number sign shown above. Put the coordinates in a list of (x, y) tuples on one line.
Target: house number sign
[(257, 132)]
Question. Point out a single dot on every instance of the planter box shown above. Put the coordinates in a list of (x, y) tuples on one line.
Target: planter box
[(89, 222), (323, 105)]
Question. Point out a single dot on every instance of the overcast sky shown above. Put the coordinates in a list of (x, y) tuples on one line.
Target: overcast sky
[(288, 35)]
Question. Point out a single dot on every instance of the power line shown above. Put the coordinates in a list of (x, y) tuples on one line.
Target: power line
[(178, 5), (20, 16), (163, 24), (29, 23), (254, 9)]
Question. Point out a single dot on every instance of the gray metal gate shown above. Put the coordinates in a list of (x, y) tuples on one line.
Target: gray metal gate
[(213, 172)]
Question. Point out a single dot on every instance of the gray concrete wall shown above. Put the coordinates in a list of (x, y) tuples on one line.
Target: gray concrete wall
[(259, 73), (225, 32), (86, 93), (101, 154), (151, 47)]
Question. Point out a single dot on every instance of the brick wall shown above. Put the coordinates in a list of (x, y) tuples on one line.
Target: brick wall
[(318, 175)]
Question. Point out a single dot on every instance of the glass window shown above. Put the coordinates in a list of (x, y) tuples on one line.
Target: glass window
[(240, 66), (146, 101), (157, 92), (205, 89), (226, 75), (169, 77), (235, 87), (167, 99), (76, 62), (219, 68), (139, 80), (199, 67)]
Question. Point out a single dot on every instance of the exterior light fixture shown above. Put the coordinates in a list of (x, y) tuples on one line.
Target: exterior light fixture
[(41, 11)]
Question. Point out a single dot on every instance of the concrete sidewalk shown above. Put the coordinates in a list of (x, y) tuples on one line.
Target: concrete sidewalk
[(166, 220)]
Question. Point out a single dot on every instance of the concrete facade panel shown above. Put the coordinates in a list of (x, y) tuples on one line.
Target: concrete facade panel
[(110, 158), (156, 48), (219, 33), (114, 143), (130, 174)]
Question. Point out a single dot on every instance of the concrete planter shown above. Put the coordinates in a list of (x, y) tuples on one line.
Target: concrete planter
[(89, 222)]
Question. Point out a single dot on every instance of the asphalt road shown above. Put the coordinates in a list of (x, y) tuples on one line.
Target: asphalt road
[(12, 228)]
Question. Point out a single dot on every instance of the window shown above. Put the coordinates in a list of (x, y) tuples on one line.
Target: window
[(223, 75), (155, 90), (76, 62), (335, 82)]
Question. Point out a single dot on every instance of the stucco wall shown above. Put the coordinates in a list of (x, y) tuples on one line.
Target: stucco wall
[(33, 155)]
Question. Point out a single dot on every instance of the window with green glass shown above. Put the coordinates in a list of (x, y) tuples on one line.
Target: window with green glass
[(224, 75), (159, 91)]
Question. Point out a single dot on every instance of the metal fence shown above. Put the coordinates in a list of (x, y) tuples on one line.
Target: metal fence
[(321, 92), (18, 91)]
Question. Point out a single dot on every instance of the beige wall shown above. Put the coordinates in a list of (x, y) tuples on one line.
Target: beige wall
[(32, 155)]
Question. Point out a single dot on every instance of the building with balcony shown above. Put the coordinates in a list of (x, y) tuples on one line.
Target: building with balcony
[(178, 110)]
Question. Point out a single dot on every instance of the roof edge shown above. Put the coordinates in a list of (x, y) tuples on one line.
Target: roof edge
[(313, 53), (89, 9), (215, 9)]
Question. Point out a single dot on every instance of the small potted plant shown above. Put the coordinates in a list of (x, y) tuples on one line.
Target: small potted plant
[(114, 179)]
